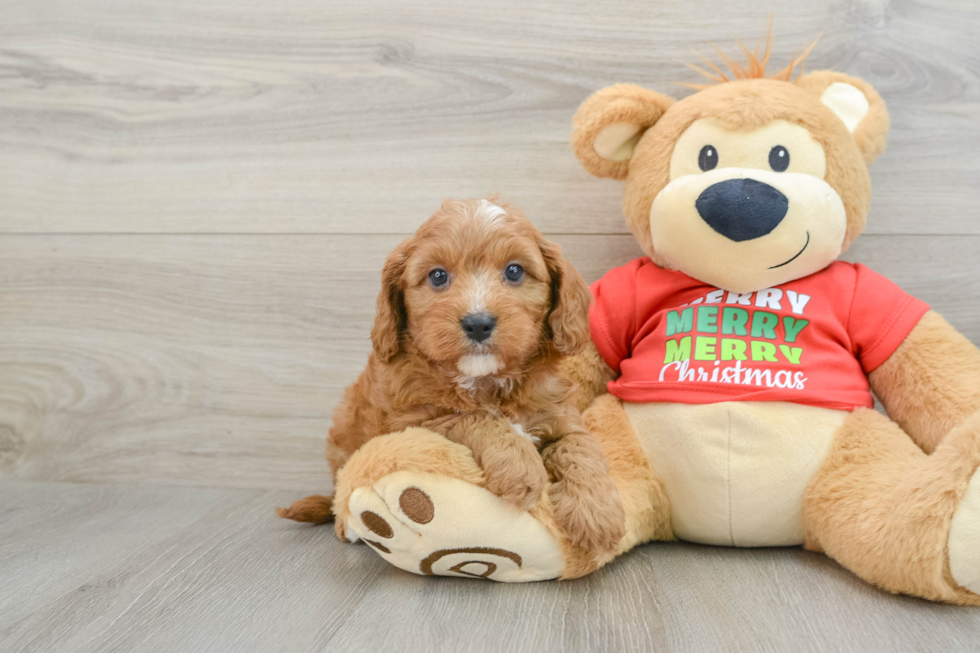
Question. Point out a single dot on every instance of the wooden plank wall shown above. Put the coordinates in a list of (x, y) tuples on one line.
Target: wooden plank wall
[(196, 197)]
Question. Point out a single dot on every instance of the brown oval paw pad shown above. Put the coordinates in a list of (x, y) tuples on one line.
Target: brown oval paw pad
[(416, 505), (376, 524)]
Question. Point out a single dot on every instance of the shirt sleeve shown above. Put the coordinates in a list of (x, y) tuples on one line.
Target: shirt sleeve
[(882, 316), (612, 315)]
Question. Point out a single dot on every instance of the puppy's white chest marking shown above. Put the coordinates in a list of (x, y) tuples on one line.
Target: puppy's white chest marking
[(524, 434)]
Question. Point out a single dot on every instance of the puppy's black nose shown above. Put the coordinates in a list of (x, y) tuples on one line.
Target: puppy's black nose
[(742, 209), (478, 326)]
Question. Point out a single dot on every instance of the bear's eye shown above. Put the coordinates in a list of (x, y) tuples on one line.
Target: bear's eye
[(438, 278), (514, 273), (708, 158), (779, 158)]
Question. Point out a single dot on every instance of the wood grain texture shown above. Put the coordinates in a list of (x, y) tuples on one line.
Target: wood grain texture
[(218, 360), (109, 568), (239, 116), (196, 197)]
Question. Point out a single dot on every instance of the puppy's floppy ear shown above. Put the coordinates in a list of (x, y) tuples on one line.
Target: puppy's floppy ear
[(391, 317), (570, 297), (857, 104), (608, 125)]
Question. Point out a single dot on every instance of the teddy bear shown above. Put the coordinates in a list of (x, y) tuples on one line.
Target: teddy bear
[(731, 369)]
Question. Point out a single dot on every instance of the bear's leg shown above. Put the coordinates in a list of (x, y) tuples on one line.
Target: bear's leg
[(418, 500), (640, 489), (903, 520)]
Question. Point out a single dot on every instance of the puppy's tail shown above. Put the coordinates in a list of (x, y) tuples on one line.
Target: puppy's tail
[(314, 509)]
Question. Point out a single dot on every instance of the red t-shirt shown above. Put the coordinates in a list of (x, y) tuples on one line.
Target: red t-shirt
[(810, 341)]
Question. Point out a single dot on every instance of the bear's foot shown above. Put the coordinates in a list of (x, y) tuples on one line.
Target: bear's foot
[(904, 520), (430, 524), (964, 538)]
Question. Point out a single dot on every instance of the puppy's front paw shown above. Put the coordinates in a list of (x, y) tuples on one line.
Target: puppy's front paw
[(515, 473), (591, 515)]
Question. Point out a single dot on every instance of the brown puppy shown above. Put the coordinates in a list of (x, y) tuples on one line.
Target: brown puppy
[(475, 312)]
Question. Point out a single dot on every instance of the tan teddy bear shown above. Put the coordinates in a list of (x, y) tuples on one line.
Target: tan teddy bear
[(739, 357)]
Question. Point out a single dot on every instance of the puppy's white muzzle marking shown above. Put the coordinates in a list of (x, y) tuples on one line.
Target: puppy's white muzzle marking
[(477, 365)]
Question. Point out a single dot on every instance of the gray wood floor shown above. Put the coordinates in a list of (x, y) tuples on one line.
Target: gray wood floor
[(127, 568), (195, 200)]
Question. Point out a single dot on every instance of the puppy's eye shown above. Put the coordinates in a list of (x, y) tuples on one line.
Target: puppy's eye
[(438, 278), (514, 273), (779, 158), (708, 158)]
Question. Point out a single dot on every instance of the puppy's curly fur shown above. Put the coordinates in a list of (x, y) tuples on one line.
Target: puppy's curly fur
[(502, 395)]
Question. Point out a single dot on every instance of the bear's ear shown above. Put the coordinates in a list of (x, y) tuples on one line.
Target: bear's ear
[(608, 125), (857, 104)]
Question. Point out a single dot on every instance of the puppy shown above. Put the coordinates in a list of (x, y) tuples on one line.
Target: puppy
[(475, 312)]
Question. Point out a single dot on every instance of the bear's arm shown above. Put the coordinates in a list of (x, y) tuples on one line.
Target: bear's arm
[(590, 373), (931, 383)]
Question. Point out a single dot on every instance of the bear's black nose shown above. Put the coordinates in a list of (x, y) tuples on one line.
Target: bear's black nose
[(742, 209), (478, 326)]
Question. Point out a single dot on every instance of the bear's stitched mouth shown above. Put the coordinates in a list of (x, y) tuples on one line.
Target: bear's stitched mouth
[(805, 245)]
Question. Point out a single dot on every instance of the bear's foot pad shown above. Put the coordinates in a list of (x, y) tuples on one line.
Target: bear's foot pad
[(437, 525)]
